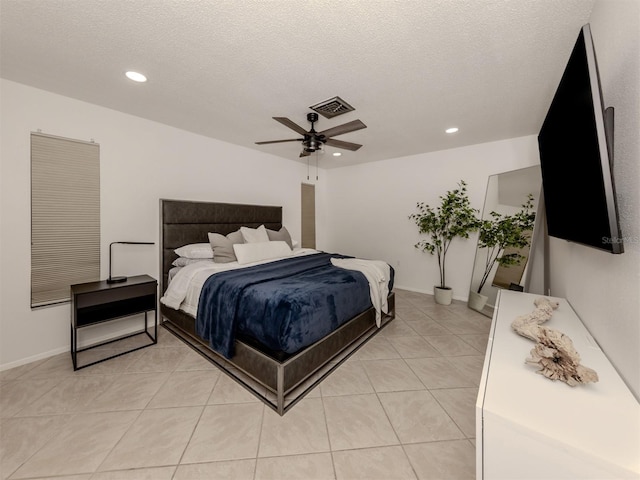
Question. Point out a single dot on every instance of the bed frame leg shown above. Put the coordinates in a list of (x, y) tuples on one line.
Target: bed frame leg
[(280, 381)]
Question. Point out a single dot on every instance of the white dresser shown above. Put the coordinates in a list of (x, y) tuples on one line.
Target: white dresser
[(529, 427)]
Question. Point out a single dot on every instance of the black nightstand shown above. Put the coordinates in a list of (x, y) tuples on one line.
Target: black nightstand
[(99, 302)]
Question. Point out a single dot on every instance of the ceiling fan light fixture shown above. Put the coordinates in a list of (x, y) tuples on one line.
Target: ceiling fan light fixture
[(312, 144), (337, 154), (451, 130)]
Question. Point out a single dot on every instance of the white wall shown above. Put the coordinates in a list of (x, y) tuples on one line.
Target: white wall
[(369, 206), (604, 289), (141, 162)]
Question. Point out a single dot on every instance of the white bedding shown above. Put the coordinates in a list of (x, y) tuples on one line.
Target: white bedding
[(186, 284), (378, 274), (184, 289)]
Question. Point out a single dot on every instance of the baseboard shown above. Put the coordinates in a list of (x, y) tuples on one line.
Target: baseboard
[(35, 358), (67, 348), (429, 292)]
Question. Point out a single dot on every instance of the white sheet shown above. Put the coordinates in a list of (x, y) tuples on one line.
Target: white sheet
[(184, 289), (378, 274)]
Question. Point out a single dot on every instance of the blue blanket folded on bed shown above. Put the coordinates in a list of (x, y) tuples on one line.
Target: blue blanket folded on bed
[(285, 305)]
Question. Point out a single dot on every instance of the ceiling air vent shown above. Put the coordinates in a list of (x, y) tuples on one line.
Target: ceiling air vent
[(332, 108)]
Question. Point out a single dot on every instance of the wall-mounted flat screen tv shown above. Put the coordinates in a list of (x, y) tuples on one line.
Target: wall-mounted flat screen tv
[(576, 156)]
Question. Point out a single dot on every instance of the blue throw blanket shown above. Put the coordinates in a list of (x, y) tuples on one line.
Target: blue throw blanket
[(286, 305)]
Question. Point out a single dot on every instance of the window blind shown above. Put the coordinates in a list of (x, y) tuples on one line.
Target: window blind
[(308, 194), (65, 216)]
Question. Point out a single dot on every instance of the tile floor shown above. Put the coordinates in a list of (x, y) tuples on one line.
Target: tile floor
[(402, 407)]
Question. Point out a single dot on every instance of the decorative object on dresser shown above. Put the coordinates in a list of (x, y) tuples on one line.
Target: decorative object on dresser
[(119, 279), (454, 217), (554, 352), (99, 302), (279, 375)]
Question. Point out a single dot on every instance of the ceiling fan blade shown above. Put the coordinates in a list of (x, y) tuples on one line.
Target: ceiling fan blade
[(304, 153), (341, 144), (280, 141), (293, 126), (342, 129)]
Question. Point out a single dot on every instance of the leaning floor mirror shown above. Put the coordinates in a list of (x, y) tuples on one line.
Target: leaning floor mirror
[(510, 251)]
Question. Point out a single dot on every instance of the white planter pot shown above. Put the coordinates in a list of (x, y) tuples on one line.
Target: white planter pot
[(477, 301), (443, 296)]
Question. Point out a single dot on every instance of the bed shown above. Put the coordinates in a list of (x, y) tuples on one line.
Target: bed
[(279, 378)]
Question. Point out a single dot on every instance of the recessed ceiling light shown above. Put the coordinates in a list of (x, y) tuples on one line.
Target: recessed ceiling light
[(451, 130), (136, 77), (337, 154)]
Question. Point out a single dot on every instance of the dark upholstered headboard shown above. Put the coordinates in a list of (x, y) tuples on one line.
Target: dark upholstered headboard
[(183, 222)]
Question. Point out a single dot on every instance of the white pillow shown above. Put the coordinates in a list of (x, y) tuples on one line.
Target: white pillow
[(195, 250), (184, 261), (254, 235), (254, 252)]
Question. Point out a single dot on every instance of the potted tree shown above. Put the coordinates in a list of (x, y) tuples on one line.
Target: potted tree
[(498, 233), (453, 218)]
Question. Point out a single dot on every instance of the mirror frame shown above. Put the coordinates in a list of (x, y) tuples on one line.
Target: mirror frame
[(535, 255)]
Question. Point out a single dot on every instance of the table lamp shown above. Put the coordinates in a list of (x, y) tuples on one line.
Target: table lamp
[(121, 278)]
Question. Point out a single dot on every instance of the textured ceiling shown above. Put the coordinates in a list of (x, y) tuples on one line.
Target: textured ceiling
[(223, 68)]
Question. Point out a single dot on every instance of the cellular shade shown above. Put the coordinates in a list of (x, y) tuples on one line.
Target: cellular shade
[(65, 216)]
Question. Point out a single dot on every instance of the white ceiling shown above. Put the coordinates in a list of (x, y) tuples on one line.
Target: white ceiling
[(223, 68)]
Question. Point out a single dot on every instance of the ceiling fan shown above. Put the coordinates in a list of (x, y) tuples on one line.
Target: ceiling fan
[(312, 141)]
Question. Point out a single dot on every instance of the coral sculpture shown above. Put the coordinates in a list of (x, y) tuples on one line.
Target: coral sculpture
[(529, 325), (554, 352)]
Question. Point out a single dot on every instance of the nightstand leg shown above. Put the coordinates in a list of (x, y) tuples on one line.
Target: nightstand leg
[(74, 348)]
